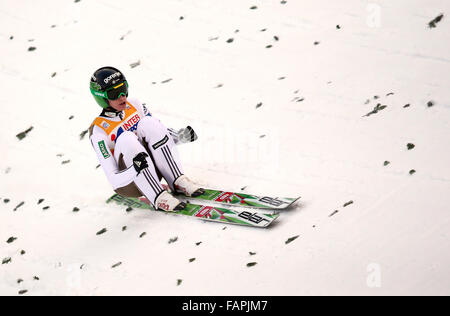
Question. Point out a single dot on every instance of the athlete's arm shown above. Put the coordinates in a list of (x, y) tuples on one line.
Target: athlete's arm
[(109, 165)]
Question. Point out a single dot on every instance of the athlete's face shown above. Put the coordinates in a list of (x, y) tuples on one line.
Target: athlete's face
[(120, 104)]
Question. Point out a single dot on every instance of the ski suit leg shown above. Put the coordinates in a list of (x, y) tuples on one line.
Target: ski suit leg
[(127, 147), (162, 148)]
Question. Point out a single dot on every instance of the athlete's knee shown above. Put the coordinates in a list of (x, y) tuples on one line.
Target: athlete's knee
[(149, 123), (151, 129), (128, 144), (126, 137)]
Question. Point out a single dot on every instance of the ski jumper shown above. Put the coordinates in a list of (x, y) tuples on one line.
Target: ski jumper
[(117, 137)]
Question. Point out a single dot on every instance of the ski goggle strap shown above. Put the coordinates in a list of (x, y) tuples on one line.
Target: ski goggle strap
[(113, 93)]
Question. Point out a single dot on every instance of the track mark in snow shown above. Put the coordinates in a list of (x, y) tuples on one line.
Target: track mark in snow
[(6, 260), (376, 109), (19, 205), (432, 23), (134, 65), (104, 230), (83, 133), (291, 239), (116, 265), (347, 203), (335, 212), (23, 134), (123, 36)]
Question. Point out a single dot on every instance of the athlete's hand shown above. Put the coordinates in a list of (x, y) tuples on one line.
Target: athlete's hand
[(139, 162)]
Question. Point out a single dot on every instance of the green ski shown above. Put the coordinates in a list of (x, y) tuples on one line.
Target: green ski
[(240, 199), (206, 212)]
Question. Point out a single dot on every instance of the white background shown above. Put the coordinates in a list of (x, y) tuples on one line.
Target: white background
[(394, 238)]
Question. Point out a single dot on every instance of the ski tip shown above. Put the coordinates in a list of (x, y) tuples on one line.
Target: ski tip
[(295, 200), (273, 216), (287, 205), (292, 199)]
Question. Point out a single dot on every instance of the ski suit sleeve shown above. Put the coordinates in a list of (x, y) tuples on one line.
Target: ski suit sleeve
[(109, 165)]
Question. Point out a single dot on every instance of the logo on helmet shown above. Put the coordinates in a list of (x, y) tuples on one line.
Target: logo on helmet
[(95, 86), (113, 76), (100, 94)]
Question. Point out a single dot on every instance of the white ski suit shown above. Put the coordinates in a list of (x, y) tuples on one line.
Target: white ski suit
[(117, 137)]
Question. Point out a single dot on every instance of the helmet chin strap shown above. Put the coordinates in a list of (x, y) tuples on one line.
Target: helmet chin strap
[(111, 112)]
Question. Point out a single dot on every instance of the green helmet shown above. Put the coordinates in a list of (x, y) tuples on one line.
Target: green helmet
[(108, 83)]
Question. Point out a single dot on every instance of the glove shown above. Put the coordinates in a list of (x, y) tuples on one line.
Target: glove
[(139, 162), (187, 135)]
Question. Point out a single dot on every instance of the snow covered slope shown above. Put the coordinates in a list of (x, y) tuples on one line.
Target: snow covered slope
[(311, 98)]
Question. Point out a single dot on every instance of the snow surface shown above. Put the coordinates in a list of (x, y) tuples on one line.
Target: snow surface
[(330, 63)]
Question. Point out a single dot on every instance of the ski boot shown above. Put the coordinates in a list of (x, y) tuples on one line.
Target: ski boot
[(184, 185), (166, 202)]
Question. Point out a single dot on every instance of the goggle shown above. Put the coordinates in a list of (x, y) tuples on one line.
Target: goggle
[(115, 92)]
